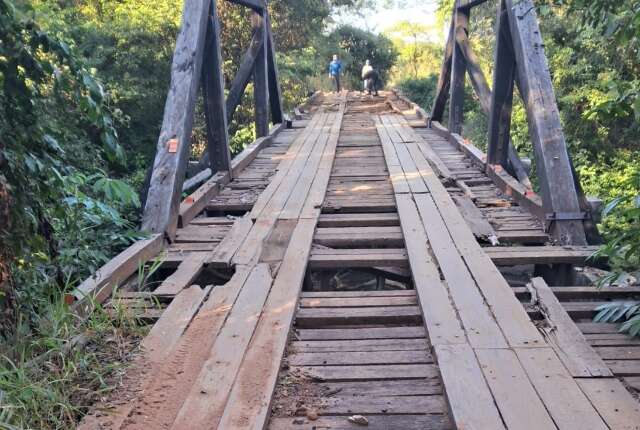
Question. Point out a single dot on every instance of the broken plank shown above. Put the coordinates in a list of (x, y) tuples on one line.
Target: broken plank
[(226, 249), (186, 273), (565, 338)]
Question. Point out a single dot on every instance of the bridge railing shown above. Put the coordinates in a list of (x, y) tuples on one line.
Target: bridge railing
[(519, 61), (196, 66)]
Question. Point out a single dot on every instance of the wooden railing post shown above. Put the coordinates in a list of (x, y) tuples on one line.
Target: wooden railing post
[(169, 167), (214, 103), (444, 81), (275, 93), (502, 96), (557, 185), (260, 76), (458, 71)]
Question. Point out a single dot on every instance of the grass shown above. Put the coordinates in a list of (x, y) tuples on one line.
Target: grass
[(47, 384)]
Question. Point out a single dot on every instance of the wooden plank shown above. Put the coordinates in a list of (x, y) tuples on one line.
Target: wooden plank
[(317, 193), (567, 405), (514, 255), (165, 188), (323, 317), (224, 252), (358, 358), (376, 422), (348, 405), (182, 278), (556, 180), (471, 404), (166, 332), (565, 338), (477, 320), (330, 259), (475, 220), (620, 352), (624, 367), (371, 372), (372, 293), (512, 390), (416, 387), (360, 237), (439, 315), (249, 400), (396, 174), (195, 203), (204, 405), (512, 319), (361, 333), (99, 287), (213, 93), (307, 136), (359, 220), (362, 345), (613, 402), (356, 302)]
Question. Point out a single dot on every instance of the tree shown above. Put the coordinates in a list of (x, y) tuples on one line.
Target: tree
[(356, 46), (418, 55)]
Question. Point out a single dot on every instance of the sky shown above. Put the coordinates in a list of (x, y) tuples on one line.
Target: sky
[(417, 11)]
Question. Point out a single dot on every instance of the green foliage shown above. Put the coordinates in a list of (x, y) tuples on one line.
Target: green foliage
[(623, 248), (629, 312), (56, 125), (417, 55), (53, 372), (421, 91), (356, 46)]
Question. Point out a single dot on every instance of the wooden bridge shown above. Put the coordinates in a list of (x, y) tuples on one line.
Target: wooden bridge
[(367, 266)]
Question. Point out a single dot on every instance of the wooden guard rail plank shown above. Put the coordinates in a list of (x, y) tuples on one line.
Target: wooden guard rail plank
[(100, 286)]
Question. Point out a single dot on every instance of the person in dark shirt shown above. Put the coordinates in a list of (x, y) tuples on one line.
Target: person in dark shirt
[(371, 81), (335, 68)]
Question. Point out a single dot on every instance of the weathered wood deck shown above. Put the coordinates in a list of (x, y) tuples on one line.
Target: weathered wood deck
[(361, 264)]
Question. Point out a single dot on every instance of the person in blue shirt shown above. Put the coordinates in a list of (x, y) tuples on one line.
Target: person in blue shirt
[(335, 68)]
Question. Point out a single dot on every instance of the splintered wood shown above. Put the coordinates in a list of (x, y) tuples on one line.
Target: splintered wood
[(357, 286)]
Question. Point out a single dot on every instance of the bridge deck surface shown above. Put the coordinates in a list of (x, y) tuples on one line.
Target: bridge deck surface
[(347, 276)]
